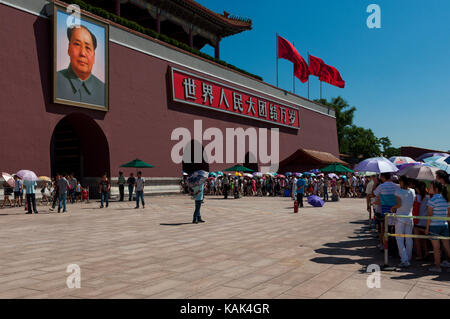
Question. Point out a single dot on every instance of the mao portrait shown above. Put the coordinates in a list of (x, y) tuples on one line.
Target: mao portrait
[(81, 61)]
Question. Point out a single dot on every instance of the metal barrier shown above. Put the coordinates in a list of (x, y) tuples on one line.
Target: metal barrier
[(387, 234)]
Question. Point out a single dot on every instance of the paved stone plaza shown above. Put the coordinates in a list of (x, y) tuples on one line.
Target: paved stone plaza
[(248, 248)]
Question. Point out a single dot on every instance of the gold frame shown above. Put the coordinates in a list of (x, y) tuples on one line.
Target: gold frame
[(85, 17)]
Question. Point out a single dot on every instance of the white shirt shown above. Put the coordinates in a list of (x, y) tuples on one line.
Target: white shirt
[(140, 183), (407, 197), (369, 187)]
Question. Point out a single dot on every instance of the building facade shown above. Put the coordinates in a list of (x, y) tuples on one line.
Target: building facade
[(144, 111)]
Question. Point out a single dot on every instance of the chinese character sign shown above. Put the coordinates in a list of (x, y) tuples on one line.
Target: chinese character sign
[(199, 91)]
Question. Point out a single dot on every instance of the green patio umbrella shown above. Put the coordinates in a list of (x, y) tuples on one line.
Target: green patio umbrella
[(336, 168), (238, 168), (137, 163)]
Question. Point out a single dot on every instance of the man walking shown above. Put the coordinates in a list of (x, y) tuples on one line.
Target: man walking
[(140, 183), (301, 183), (121, 183), (73, 186), (131, 181), (197, 192), (104, 189), (226, 184), (63, 185), (55, 192), (30, 195)]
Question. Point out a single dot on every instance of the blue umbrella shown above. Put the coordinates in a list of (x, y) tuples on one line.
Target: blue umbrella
[(219, 173), (315, 201), (441, 164), (197, 178), (426, 155), (315, 171), (432, 159), (212, 174), (287, 174)]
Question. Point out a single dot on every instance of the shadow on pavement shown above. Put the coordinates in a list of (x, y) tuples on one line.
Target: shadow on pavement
[(364, 246)]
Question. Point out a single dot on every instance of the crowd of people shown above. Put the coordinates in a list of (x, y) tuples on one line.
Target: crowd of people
[(65, 188), (322, 185), (386, 194)]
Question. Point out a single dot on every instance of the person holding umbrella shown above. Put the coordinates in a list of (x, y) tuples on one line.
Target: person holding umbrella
[(30, 186), (197, 194), (7, 189)]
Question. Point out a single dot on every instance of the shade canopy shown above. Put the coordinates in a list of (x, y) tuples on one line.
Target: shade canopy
[(137, 163), (238, 168), (336, 168)]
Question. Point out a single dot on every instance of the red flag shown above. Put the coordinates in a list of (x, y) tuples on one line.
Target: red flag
[(287, 51), (331, 75), (315, 64)]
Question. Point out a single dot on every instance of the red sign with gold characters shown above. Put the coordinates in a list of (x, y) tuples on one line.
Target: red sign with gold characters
[(196, 90)]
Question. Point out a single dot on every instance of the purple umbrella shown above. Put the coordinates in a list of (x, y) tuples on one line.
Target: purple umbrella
[(315, 201), (426, 155), (408, 165), (27, 175), (377, 165)]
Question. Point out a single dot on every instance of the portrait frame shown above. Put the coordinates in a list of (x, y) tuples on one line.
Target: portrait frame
[(57, 46)]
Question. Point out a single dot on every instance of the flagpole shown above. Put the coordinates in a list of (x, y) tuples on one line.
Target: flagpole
[(293, 73), (276, 57), (308, 77), (320, 89)]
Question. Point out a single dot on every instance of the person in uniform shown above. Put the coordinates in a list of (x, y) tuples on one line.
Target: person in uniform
[(77, 83)]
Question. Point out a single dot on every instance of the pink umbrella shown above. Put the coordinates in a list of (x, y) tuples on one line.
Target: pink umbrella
[(27, 175), (8, 179)]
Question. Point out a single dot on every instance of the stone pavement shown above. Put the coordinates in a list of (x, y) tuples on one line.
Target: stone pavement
[(248, 248)]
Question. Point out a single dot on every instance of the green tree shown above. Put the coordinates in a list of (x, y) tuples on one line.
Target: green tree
[(344, 115), (358, 141), (388, 150)]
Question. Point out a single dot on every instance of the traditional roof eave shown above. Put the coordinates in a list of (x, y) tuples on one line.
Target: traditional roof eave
[(222, 25)]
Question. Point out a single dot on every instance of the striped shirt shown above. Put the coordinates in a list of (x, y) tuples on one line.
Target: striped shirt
[(386, 191), (440, 207)]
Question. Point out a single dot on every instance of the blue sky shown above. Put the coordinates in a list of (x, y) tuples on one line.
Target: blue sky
[(398, 76)]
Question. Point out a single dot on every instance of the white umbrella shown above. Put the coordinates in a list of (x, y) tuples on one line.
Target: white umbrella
[(400, 160), (366, 173), (421, 172), (27, 175), (8, 179), (377, 165)]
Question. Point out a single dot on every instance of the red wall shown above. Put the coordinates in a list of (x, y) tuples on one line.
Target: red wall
[(141, 117)]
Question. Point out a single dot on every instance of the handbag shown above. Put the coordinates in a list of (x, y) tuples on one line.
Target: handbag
[(416, 210)]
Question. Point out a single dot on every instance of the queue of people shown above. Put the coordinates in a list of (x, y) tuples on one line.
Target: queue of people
[(322, 185), (407, 198)]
